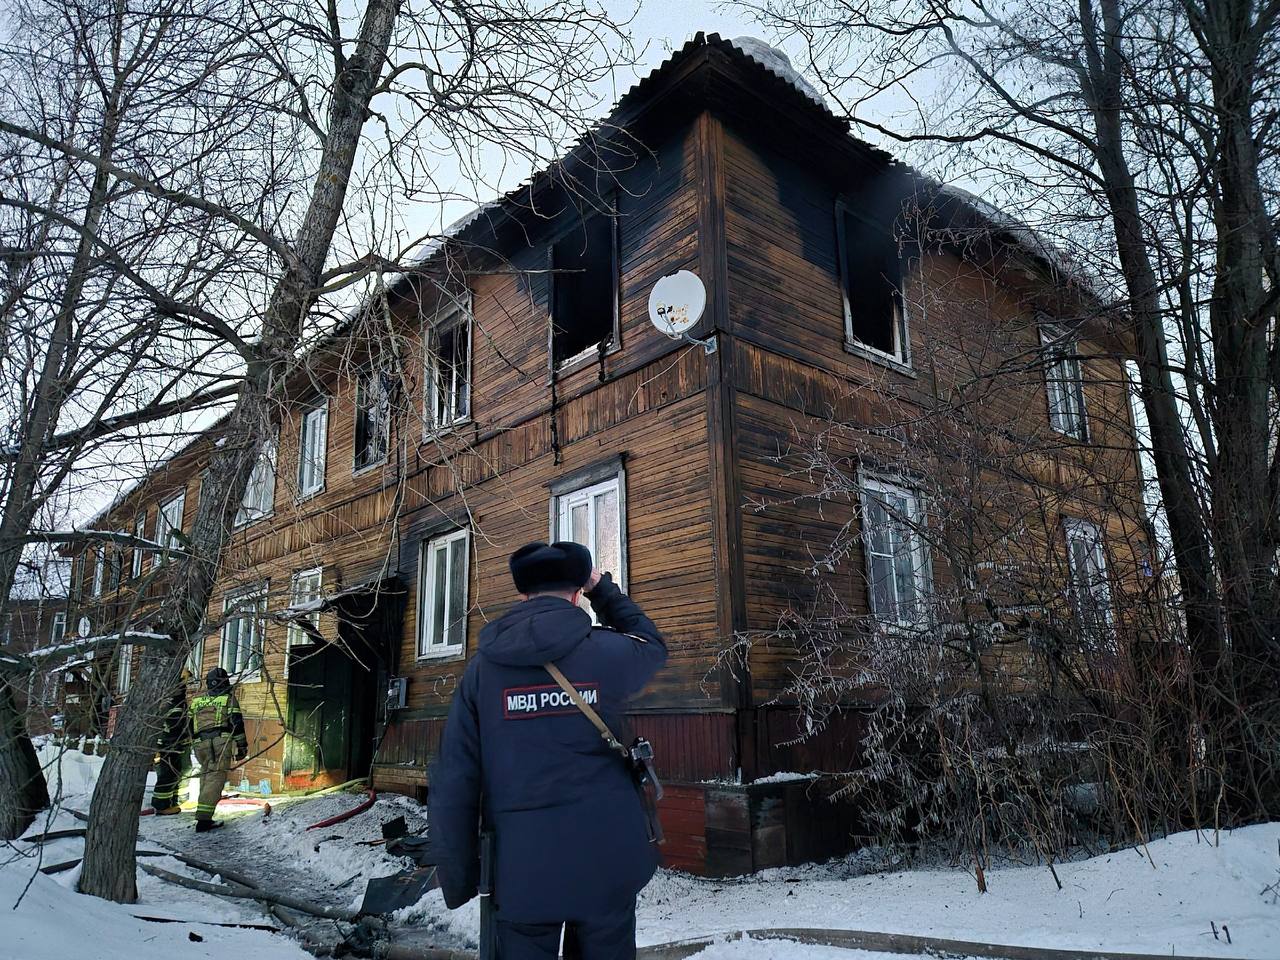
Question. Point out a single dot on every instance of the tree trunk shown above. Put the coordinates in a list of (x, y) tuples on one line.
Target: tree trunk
[(23, 791), (109, 865), (22, 501)]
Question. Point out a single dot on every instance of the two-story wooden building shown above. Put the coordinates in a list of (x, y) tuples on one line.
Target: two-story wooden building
[(512, 388)]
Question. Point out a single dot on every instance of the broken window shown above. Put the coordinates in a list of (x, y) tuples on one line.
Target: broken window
[(584, 290), (448, 370), (871, 280), (373, 418)]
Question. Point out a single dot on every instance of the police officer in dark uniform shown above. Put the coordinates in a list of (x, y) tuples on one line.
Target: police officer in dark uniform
[(573, 842)]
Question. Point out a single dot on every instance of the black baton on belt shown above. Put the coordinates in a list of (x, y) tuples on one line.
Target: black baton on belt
[(488, 923)]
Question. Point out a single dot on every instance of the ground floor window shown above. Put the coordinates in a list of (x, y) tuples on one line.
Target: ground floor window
[(442, 594), (1087, 569), (594, 515), (242, 633), (897, 558), (306, 588)]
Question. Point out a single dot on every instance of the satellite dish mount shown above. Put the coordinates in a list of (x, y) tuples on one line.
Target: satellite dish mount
[(675, 306)]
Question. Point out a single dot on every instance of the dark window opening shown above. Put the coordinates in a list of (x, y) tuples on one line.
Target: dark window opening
[(584, 290), (373, 419), (871, 274)]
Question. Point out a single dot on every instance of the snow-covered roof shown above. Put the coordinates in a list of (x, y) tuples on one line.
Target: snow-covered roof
[(777, 62)]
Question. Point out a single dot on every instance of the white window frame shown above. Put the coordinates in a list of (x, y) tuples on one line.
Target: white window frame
[(562, 520), (99, 569), (427, 565), (260, 492), (456, 316), (319, 415), (124, 669), (58, 627), (140, 533), (246, 670), (1098, 618), (296, 634), (363, 383), (164, 526), (1064, 384), (877, 488), (195, 659)]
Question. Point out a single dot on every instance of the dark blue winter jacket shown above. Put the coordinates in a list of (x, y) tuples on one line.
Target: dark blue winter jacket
[(571, 839)]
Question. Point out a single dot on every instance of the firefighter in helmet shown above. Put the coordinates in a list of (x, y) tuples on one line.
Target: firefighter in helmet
[(173, 751), (217, 726)]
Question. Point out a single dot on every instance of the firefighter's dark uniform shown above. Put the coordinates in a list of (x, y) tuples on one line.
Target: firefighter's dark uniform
[(173, 746), (218, 728), (572, 838)]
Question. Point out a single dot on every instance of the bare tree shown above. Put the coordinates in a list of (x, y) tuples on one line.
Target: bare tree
[(361, 102), (1156, 124)]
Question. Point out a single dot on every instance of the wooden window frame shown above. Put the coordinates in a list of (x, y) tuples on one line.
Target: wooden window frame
[(59, 620), (454, 315), (178, 497), (99, 570), (426, 621), (294, 630), (1058, 346), (249, 673), (269, 454), (869, 485), (1098, 590), (139, 557), (322, 408), (357, 467), (124, 669), (899, 360)]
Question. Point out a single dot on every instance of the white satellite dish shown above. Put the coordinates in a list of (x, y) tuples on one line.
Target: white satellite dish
[(676, 303), (84, 628)]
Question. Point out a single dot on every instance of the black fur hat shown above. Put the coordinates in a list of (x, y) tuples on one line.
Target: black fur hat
[(541, 567)]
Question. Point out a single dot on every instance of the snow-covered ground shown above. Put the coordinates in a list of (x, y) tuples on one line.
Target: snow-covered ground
[(1166, 898)]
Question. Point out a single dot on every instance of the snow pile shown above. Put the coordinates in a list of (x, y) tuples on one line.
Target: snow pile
[(1163, 899), (786, 950), (777, 62), (53, 922)]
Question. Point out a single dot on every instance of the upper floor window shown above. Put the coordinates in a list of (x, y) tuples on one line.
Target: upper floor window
[(448, 370), (1087, 570), (305, 588), (58, 630), (99, 570), (124, 670), (140, 532), (584, 290), (1064, 383), (313, 435), (259, 494), (6, 629), (897, 556), (875, 316), (169, 520), (442, 594), (242, 633), (373, 418)]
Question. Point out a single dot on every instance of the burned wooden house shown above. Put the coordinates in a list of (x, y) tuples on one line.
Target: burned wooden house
[(512, 388)]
